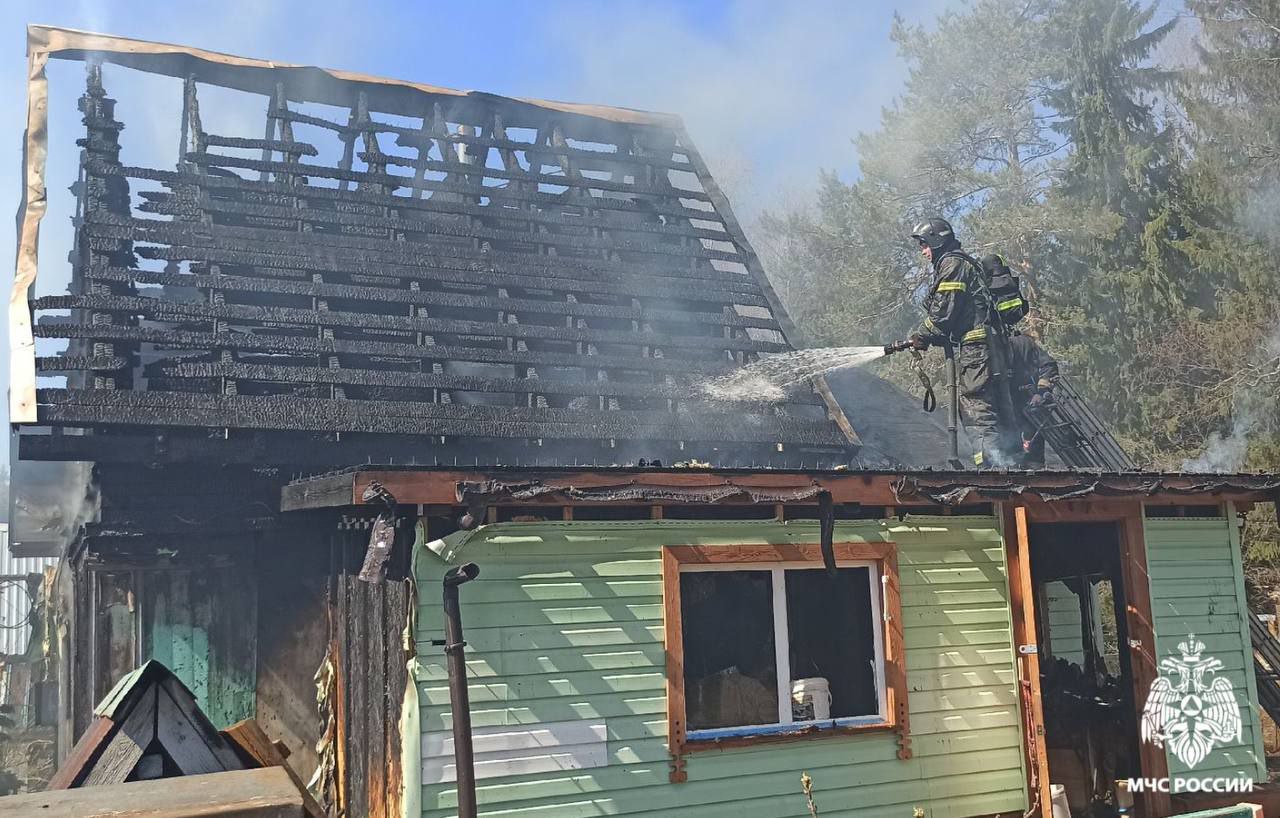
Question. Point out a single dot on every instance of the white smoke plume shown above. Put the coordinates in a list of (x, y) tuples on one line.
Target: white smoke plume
[(1255, 413), (770, 92)]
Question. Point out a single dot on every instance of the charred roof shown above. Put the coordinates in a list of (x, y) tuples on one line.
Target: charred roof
[(392, 266)]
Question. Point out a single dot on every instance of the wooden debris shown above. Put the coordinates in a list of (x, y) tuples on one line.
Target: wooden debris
[(265, 793), (249, 737), (149, 725)]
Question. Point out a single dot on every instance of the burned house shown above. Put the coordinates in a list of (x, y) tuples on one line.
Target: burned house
[(401, 327)]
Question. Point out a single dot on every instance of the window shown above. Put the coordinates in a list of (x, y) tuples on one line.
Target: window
[(763, 643)]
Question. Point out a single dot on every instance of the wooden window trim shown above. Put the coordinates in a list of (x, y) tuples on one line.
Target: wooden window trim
[(884, 554)]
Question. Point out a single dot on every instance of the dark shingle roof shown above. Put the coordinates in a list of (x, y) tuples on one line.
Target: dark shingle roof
[(894, 430)]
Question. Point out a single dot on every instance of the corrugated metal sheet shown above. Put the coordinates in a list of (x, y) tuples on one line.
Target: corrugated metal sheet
[(1197, 587), (565, 624), (16, 597)]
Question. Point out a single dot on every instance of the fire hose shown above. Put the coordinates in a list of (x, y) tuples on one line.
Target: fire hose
[(930, 401)]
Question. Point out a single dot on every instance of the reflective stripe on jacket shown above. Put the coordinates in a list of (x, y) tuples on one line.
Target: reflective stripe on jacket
[(958, 304)]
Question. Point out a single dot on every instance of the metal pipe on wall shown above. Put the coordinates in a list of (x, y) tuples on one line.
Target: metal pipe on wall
[(455, 651)]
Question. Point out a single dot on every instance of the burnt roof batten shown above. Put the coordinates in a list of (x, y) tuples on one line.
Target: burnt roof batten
[(493, 302)]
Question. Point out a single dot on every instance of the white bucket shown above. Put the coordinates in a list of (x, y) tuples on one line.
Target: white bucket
[(1058, 799), (810, 699)]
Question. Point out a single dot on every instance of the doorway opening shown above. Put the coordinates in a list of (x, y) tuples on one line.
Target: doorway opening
[(1086, 682)]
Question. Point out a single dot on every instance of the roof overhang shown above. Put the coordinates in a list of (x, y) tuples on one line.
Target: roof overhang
[(582, 486)]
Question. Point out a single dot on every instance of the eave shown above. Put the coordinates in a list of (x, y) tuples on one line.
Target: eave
[(672, 486)]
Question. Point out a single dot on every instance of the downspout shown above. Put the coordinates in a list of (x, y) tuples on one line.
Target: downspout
[(455, 651)]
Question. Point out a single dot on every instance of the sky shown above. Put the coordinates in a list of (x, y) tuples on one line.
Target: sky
[(770, 92)]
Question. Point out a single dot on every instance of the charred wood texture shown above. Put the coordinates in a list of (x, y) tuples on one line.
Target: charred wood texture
[(499, 272)]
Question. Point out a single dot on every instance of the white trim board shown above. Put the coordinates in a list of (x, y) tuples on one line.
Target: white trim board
[(519, 750)]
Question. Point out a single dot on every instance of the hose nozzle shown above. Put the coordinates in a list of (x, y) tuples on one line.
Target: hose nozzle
[(896, 346)]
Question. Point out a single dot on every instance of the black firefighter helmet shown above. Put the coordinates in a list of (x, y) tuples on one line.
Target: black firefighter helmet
[(934, 232)]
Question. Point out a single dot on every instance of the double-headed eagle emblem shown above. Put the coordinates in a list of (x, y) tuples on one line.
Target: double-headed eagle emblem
[(1191, 708)]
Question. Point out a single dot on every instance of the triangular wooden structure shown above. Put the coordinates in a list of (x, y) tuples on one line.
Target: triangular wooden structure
[(149, 726)]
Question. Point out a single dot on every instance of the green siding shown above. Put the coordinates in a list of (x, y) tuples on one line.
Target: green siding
[(1066, 634), (201, 624), (1197, 586), (565, 623)]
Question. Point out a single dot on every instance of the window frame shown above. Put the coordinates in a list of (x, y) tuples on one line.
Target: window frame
[(883, 560)]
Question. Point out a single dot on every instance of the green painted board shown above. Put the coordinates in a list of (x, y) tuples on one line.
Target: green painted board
[(1197, 587), (203, 627)]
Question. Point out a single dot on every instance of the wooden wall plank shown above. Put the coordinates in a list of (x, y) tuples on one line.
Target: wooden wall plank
[(156, 616), (375, 678), (1143, 655), (1183, 604), (180, 616), (356, 661), (184, 742), (201, 588), (293, 636), (265, 793), (1023, 614), (398, 607), (120, 756), (240, 626)]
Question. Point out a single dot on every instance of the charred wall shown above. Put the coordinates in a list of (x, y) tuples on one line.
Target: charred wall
[(195, 567)]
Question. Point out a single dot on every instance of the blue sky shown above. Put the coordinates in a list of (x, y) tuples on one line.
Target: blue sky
[(771, 92)]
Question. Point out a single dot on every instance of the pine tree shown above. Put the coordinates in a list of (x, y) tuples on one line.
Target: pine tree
[(966, 140), (1119, 273), (1229, 377)]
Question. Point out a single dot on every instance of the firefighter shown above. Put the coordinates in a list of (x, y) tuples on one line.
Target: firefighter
[(959, 312), (1035, 373)]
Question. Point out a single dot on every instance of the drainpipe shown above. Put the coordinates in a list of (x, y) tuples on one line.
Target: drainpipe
[(455, 650)]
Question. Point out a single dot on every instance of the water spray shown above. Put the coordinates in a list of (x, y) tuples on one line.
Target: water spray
[(768, 379)]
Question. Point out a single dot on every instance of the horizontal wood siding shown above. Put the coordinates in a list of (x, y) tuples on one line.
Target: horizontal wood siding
[(564, 626), (1197, 587), (1066, 633)]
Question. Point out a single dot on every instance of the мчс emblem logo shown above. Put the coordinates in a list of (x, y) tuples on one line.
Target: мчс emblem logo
[(1190, 708)]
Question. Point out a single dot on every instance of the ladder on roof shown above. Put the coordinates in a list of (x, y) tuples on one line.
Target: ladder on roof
[(1073, 431), (1266, 666)]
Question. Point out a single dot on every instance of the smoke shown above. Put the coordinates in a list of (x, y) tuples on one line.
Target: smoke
[(51, 502), (1255, 412), (770, 92), (1261, 212), (1223, 453)]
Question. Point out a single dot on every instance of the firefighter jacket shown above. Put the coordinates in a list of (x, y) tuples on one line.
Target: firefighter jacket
[(958, 306), (1034, 370)]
